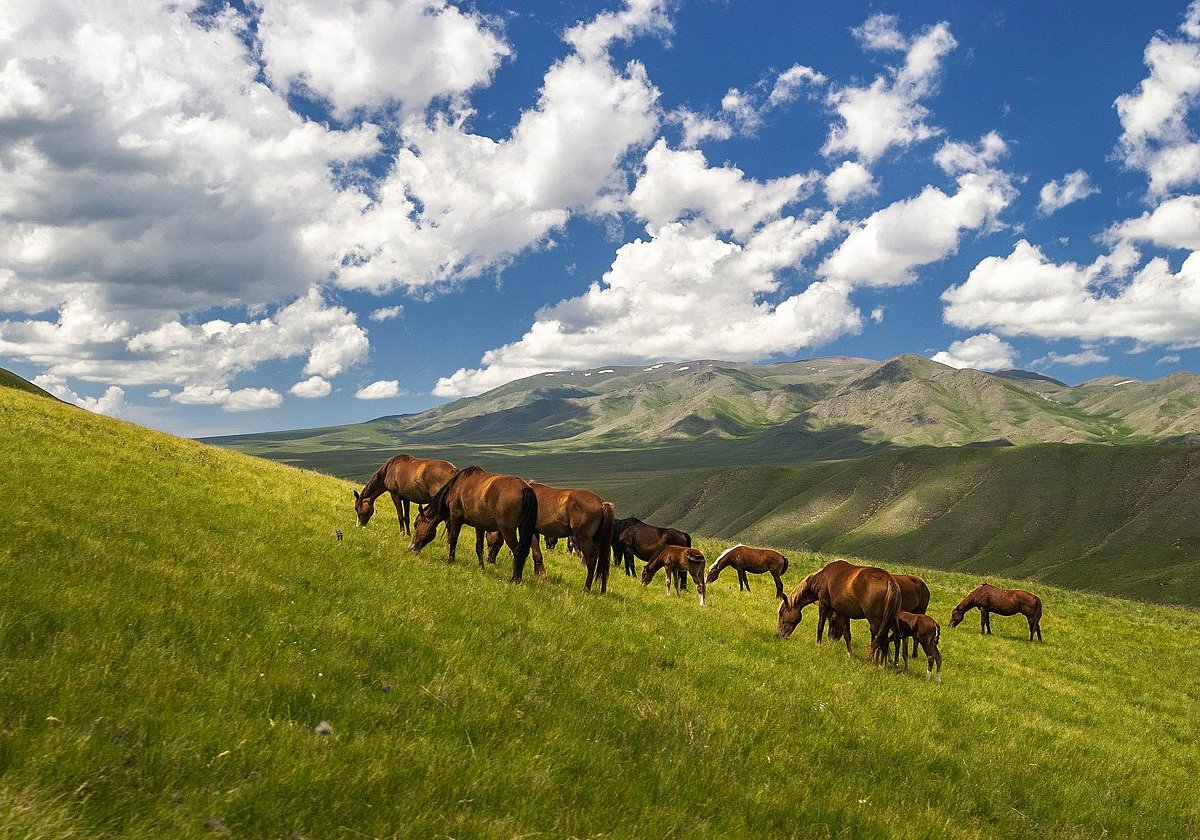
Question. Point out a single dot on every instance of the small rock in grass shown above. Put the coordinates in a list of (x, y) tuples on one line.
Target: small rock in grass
[(324, 728), (387, 688)]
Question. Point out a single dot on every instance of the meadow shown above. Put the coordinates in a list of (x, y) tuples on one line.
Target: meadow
[(178, 621)]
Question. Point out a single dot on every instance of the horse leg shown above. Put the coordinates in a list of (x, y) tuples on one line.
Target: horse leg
[(512, 540), (453, 526), (743, 581), (822, 615), (539, 568), (778, 586), (935, 658), (984, 626), (479, 535), (904, 650), (401, 511)]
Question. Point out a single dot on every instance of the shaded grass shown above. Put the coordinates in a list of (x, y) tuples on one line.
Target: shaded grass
[(177, 620)]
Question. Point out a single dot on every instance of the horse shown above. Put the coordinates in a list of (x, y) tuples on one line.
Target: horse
[(851, 592), (992, 599), (580, 516), (408, 479), (744, 558), (914, 598), (631, 537), (925, 630), (677, 561), (487, 502)]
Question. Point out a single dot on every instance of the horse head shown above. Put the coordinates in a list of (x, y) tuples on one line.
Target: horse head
[(424, 529), (364, 508), (789, 617), (956, 616)]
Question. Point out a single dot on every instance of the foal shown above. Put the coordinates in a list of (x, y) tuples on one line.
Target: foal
[(743, 558), (677, 560), (923, 630)]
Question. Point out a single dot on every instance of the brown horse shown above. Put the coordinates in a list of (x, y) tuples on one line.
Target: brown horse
[(677, 561), (743, 559), (634, 538), (487, 502), (580, 516), (992, 599), (914, 598), (408, 479), (922, 629), (852, 592)]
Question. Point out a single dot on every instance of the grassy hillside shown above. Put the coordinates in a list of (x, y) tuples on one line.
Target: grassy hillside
[(8, 379), (1120, 520), (178, 620)]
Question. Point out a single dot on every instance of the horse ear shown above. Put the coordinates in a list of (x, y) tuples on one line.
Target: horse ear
[(356, 496)]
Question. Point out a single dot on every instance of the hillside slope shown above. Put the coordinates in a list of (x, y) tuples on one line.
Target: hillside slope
[(1120, 520), (177, 621), (789, 412)]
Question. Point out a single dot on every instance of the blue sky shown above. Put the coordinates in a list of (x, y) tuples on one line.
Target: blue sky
[(217, 219)]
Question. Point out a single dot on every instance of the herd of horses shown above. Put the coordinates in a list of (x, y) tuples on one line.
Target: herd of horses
[(506, 510)]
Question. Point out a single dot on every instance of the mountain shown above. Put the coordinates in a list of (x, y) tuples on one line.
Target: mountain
[(789, 412), (9, 379)]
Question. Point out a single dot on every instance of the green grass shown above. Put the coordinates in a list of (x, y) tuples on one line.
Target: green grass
[(178, 619)]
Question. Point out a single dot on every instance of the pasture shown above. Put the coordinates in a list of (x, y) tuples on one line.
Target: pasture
[(178, 620)]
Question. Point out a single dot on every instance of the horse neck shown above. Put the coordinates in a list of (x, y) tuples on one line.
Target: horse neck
[(375, 485)]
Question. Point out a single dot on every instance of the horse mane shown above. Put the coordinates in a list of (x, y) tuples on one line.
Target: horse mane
[(438, 503), (726, 551), (375, 486)]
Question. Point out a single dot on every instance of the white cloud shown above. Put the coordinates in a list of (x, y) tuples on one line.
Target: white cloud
[(1175, 223), (888, 112), (743, 112), (639, 17), (877, 314), (1055, 195), (111, 402), (955, 157), (790, 82), (1027, 294), (387, 313), (244, 399), (348, 53), (886, 248), (981, 352), (849, 181), (384, 389), (1172, 359), (1080, 359), (1156, 136), (312, 388)]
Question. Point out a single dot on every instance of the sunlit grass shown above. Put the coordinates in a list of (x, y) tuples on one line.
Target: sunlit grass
[(177, 621)]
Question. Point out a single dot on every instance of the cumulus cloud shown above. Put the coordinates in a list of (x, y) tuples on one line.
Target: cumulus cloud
[(1175, 223), (1156, 136), (849, 181), (706, 282), (386, 313), (383, 389), (888, 112), (742, 112), (887, 247), (1025, 293), (955, 157), (347, 54), (244, 399), (111, 402), (1080, 359), (982, 352), (1055, 195), (312, 388)]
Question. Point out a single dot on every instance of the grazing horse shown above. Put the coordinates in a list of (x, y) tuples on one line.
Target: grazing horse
[(580, 516), (992, 599), (631, 537), (677, 561), (487, 502), (852, 592), (744, 558), (914, 598), (408, 479), (925, 630)]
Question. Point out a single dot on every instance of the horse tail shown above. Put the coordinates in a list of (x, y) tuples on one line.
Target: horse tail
[(603, 539), (525, 529), (890, 629), (687, 540)]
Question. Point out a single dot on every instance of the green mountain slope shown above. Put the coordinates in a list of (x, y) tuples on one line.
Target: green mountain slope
[(11, 380), (790, 412), (177, 621), (1120, 520)]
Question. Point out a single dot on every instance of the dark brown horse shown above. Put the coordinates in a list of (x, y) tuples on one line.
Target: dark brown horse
[(578, 515), (408, 479), (852, 592), (677, 561), (914, 598), (743, 559), (992, 599), (634, 538), (487, 502)]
